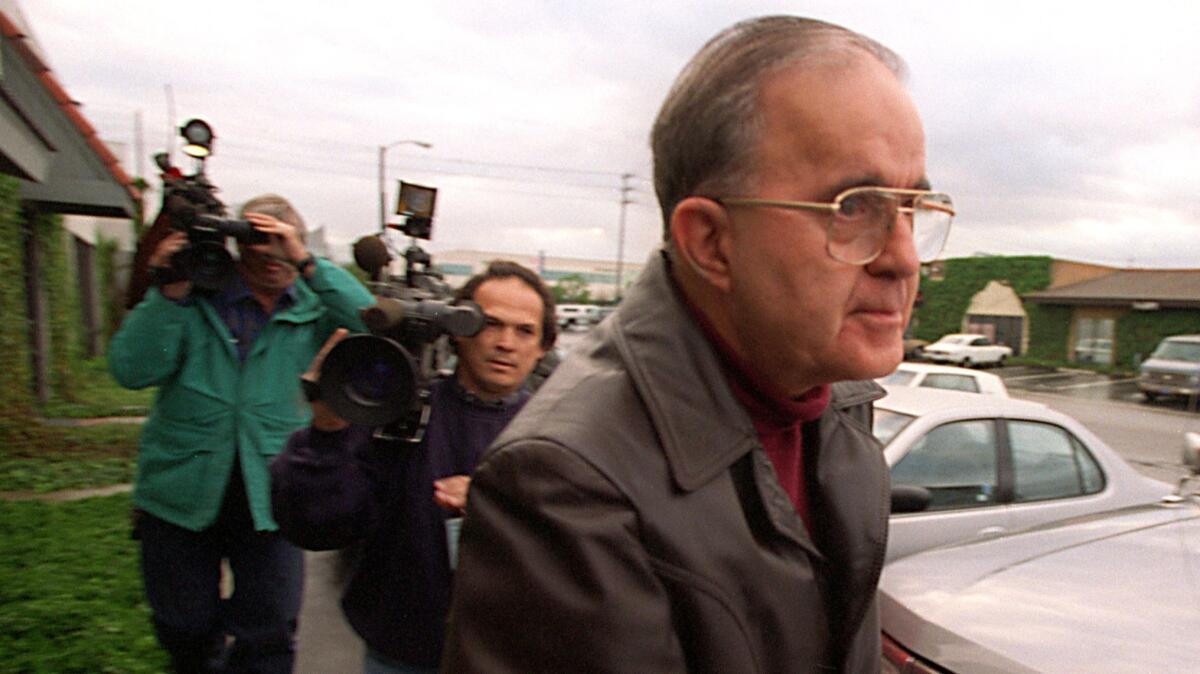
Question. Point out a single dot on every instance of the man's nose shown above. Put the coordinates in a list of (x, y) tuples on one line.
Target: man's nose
[(506, 340), (899, 256)]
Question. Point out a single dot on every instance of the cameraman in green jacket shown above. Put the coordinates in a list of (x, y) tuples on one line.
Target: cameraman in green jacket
[(227, 364)]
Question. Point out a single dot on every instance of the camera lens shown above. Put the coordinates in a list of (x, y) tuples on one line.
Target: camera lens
[(369, 380), (373, 380)]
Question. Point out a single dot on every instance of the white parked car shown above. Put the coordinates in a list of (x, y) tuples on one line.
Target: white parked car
[(925, 375), (572, 315), (967, 350), (967, 466)]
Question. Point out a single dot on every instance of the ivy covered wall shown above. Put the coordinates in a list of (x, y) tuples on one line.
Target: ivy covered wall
[(62, 294), (1138, 332), (945, 302), (1049, 330), (63, 322), (15, 395)]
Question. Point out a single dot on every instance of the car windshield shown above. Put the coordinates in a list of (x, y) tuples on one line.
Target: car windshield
[(888, 424), (957, 339), (1189, 351)]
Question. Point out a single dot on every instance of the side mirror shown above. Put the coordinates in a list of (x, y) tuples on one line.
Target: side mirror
[(1191, 452), (912, 499)]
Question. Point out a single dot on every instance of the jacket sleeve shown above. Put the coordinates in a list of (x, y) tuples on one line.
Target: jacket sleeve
[(552, 575), (325, 487), (149, 346), (341, 294)]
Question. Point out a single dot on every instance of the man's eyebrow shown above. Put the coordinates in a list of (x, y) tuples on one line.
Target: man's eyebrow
[(873, 180)]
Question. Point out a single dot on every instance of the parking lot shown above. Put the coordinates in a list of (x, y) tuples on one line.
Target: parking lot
[(1083, 384)]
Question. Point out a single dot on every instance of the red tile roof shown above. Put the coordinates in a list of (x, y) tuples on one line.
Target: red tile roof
[(70, 107)]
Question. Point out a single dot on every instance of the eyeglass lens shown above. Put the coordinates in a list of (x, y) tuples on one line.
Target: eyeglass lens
[(859, 228)]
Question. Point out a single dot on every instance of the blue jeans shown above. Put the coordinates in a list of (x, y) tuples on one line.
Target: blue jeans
[(181, 570)]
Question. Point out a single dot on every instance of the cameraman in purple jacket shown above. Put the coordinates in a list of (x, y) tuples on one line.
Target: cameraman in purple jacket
[(335, 485)]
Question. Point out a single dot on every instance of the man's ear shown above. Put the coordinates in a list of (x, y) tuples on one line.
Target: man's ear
[(701, 237)]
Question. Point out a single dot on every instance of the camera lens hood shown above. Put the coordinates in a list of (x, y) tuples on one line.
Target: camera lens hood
[(369, 380)]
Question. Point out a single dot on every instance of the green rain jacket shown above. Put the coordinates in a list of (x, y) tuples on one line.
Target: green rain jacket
[(209, 405)]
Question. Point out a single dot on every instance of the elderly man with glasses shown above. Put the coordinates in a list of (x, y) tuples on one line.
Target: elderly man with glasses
[(697, 488)]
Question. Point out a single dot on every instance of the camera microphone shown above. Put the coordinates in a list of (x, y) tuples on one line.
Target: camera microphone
[(371, 254)]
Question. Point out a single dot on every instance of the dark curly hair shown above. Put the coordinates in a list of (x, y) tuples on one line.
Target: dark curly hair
[(502, 269)]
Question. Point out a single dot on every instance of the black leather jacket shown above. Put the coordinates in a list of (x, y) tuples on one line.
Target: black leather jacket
[(629, 520)]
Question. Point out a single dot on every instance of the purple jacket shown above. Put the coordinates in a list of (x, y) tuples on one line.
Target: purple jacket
[(332, 490)]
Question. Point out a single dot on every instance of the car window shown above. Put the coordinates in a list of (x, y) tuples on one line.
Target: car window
[(956, 462), (888, 423), (1178, 350), (1049, 463), (980, 341), (954, 382), (899, 378)]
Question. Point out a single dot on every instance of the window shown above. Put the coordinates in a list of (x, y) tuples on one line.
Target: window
[(953, 382), (1049, 463), (899, 378), (1093, 340), (888, 424), (956, 462)]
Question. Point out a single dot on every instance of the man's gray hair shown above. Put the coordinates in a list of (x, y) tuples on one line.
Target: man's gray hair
[(277, 207), (706, 131)]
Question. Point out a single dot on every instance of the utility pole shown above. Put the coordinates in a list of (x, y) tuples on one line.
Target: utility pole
[(139, 175), (625, 201)]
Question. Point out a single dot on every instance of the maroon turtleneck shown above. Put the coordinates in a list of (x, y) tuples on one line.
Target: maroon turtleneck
[(778, 421)]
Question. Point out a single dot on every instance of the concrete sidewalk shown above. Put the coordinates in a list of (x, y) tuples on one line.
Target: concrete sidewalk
[(325, 643)]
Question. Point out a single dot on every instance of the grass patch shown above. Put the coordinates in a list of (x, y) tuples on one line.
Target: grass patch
[(49, 458), (71, 600), (40, 458), (98, 395)]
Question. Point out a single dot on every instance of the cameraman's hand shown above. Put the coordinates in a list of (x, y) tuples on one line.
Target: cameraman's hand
[(324, 419), (161, 259), (451, 493), (289, 238)]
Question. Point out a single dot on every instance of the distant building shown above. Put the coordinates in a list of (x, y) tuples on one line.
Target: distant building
[(59, 166), (600, 275), (1120, 315)]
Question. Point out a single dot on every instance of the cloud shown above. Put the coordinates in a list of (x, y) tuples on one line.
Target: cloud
[(1067, 129)]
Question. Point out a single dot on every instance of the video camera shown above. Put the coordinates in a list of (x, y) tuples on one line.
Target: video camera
[(382, 379), (191, 204)]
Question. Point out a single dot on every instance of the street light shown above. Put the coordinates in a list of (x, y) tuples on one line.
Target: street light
[(382, 184)]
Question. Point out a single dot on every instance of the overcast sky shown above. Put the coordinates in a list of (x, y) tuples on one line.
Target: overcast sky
[(1069, 129)]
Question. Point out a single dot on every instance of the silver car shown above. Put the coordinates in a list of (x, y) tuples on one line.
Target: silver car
[(966, 467), (1110, 592)]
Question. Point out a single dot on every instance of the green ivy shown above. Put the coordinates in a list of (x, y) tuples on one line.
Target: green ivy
[(1139, 332), (16, 397), (62, 292), (111, 299), (945, 302), (1049, 330)]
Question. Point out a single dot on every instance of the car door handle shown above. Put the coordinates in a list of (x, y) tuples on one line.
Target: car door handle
[(990, 531)]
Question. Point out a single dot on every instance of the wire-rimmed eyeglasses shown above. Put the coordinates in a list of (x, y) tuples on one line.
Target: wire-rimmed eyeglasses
[(861, 219)]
